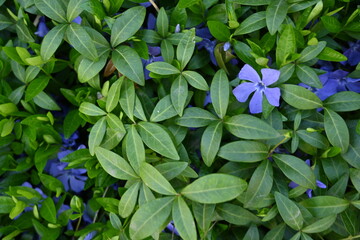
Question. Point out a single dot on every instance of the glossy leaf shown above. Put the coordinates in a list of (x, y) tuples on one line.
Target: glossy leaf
[(210, 142), (299, 97), (186, 47), (91, 109), (135, 150), (74, 8), (35, 87), (163, 110), (296, 170), (183, 219), (236, 215), (323, 206), (308, 76), (162, 68), (52, 41), (146, 221), (214, 188), (343, 101), (162, 23), (196, 80), (54, 9), (45, 101), (127, 25), (336, 130), (97, 134), (127, 98), (289, 211), (249, 127), (178, 94), (244, 151), (219, 30), (114, 165), (219, 92), (286, 45), (113, 97), (275, 14), (254, 22), (128, 200), (154, 180), (320, 225)]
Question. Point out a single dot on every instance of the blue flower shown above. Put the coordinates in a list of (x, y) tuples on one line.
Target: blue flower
[(153, 57), (207, 99), (42, 29), (308, 191), (206, 43), (258, 86), (338, 81), (353, 53), (77, 20), (172, 228), (226, 46)]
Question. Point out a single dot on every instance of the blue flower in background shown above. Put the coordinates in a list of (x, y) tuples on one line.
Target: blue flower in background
[(353, 53), (154, 53), (226, 46), (308, 191), (77, 20), (172, 228), (260, 87), (338, 81), (42, 29), (206, 43)]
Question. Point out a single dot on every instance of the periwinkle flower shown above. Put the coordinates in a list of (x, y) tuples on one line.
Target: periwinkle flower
[(353, 53), (226, 46), (172, 228), (42, 29), (206, 43), (154, 53), (308, 191), (258, 86), (77, 20)]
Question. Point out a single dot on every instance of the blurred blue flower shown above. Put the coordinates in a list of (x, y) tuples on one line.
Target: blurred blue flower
[(71, 141), (260, 87), (308, 191), (177, 28), (206, 43), (77, 20), (90, 235), (154, 53), (353, 53), (172, 228), (325, 65), (338, 81), (145, 4), (42, 29), (226, 46), (207, 99)]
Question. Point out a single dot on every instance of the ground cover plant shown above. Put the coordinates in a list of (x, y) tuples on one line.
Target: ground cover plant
[(184, 119)]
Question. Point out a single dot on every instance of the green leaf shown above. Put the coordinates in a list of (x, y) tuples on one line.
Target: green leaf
[(214, 188), (308, 76), (276, 233), (219, 30), (113, 97), (210, 142), (243, 51), (115, 221), (162, 68), (252, 233), (315, 139), (128, 63), (260, 184), (127, 98), (128, 200), (163, 110), (235, 214), (336, 130), (275, 15), (135, 150), (323, 206), (244, 151), (158, 139), (162, 23), (219, 92), (299, 97), (296, 170), (320, 225), (171, 170), (195, 117), (355, 178), (186, 47), (286, 45), (127, 25), (250, 127), (289, 211), (45, 101), (183, 219), (167, 50), (343, 101), (82, 42), (150, 217), (53, 10), (196, 80), (203, 214), (48, 211), (72, 122), (91, 109), (97, 134), (17, 94), (35, 87), (329, 54), (311, 52), (6, 204), (331, 24), (178, 94), (254, 22), (74, 8), (88, 69), (114, 165), (186, 3), (23, 31), (154, 180)]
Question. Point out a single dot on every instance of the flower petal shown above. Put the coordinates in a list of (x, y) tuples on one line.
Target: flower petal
[(243, 91), (256, 102), (249, 73), (320, 184), (269, 76), (293, 185), (309, 193), (273, 96)]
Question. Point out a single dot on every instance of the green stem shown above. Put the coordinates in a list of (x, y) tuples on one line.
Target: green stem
[(277, 145)]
